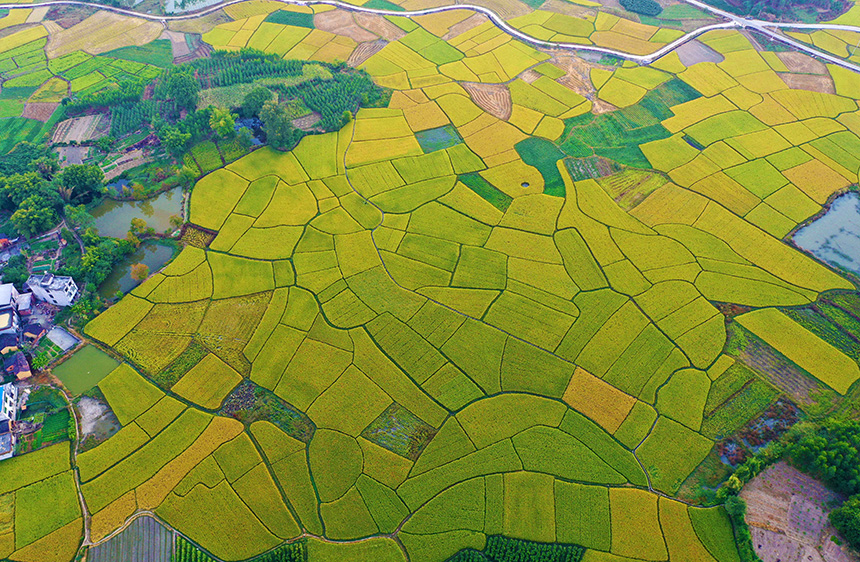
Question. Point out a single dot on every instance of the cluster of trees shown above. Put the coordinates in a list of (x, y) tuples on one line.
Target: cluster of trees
[(776, 9), (225, 68), (293, 552), (34, 192), (346, 90), (832, 454), (505, 549), (644, 7)]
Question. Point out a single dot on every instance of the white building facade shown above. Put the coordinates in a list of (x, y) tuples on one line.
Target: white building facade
[(59, 291)]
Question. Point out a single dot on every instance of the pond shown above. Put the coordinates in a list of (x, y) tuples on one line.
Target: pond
[(835, 236), (113, 218), (85, 369), (150, 253)]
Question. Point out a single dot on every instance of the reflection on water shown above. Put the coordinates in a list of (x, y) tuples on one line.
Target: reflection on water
[(835, 236), (113, 218), (152, 254)]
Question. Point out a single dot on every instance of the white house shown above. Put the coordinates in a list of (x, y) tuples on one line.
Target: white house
[(60, 291), (8, 414), (8, 309)]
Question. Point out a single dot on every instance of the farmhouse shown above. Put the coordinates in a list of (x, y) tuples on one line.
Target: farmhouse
[(33, 331), (17, 365), (57, 290), (8, 343)]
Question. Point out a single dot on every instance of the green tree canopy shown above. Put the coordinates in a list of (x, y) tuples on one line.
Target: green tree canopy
[(223, 122), (277, 123), (82, 180), (254, 101)]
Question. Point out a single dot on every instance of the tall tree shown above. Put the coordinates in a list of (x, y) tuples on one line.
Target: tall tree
[(280, 132), (223, 122), (83, 180), (254, 101)]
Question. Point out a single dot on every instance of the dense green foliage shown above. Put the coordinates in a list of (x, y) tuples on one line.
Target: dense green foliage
[(644, 7), (831, 454), (504, 549), (737, 509), (779, 8), (618, 134), (255, 100), (846, 519), (184, 551), (286, 17)]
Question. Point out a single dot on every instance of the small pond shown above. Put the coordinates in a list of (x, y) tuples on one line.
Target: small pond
[(152, 254), (113, 218), (85, 369), (835, 236)]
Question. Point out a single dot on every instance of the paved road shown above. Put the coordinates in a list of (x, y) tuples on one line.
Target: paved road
[(733, 21)]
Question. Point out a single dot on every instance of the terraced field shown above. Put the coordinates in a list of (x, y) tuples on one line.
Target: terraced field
[(478, 314)]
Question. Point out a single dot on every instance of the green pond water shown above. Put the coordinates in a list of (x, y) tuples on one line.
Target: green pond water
[(85, 369), (113, 218), (152, 254)]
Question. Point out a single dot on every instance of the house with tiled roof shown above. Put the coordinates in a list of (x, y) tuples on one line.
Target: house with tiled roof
[(33, 331), (8, 343), (17, 366)]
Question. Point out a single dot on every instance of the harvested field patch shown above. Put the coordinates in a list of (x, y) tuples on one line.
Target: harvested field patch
[(801, 63), (39, 111), (341, 22), (379, 26), (102, 32), (812, 82), (495, 99)]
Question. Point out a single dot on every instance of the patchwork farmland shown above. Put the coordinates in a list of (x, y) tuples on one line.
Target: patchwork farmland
[(516, 303)]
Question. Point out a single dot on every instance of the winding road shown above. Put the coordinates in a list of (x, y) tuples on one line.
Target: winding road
[(769, 29)]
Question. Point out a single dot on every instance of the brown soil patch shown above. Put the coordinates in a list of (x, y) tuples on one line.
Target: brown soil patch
[(52, 26), (202, 51), (200, 25), (177, 43), (693, 52), (129, 160), (469, 23), (495, 99), (364, 51), (380, 26), (102, 32), (787, 512), (342, 23), (811, 82), (72, 154), (67, 16), (505, 8), (568, 9), (799, 62), (530, 76), (307, 122), (39, 111), (79, 129)]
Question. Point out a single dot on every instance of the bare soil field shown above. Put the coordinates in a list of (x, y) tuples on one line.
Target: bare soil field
[(102, 32), (812, 82), (200, 25), (39, 111), (128, 161), (364, 51), (469, 23), (307, 122), (693, 52), (342, 23), (67, 16), (787, 512), (495, 99), (799, 62), (530, 76), (78, 129), (72, 154), (177, 43), (380, 26)]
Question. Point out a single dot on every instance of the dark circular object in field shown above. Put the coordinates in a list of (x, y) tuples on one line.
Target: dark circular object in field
[(525, 184)]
